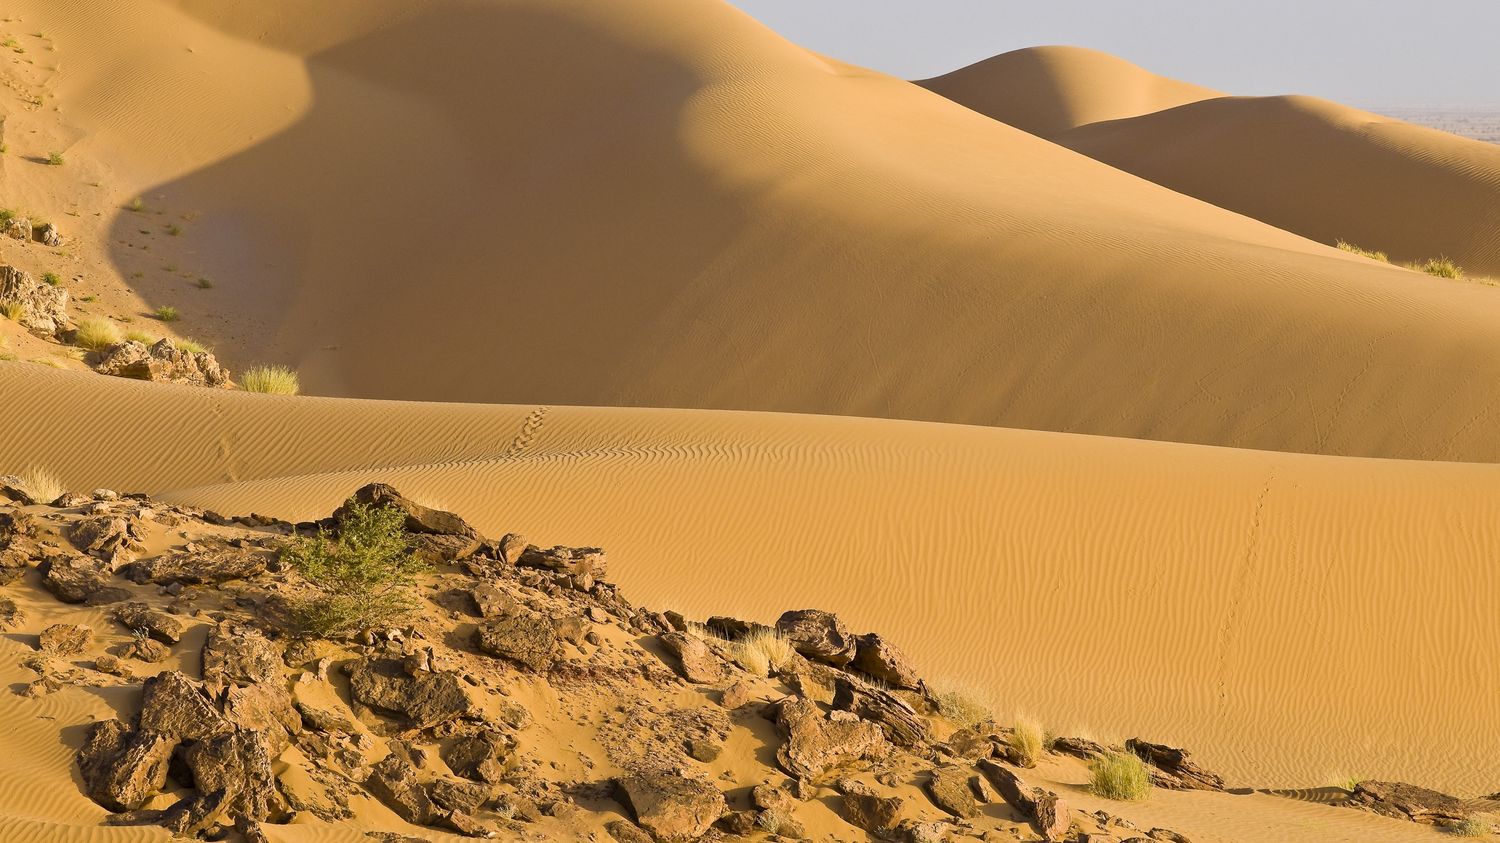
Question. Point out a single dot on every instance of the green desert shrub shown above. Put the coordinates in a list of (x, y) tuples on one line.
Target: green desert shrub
[(1027, 740), (1440, 268), (55, 159), (95, 333), (51, 278), (204, 283), (1119, 775), (272, 380), (961, 705), (1363, 252), (167, 313), (362, 576)]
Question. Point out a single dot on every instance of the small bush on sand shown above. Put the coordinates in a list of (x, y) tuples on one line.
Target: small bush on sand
[(95, 333), (1364, 253), (1120, 776), (1028, 740), (137, 335), (764, 652), (1439, 267), (1470, 827), (962, 706), (41, 484), (12, 310), (51, 278), (191, 346), (272, 380), (362, 577), (55, 159), (167, 313), (204, 283)]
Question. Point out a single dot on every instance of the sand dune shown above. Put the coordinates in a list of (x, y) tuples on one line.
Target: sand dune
[(1290, 617), (1322, 170), (692, 212)]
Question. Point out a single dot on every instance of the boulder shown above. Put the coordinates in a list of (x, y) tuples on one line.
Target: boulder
[(458, 796), (582, 566), (196, 568), (266, 708), (427, 698), (876, 657), (624, 831), (1408, 802), (818, 635), (950, 790), (145, 649), (900, 722), (816, 743), (482, 757), (238, 764), (769, 797), (140, 617), (1045, 809), (122, 770), (19, 228), (1079, 748), (1050, 814), (419, 519), (863, 807), (394, 782), (11, 615), (695, 660), (112, 539), (65, 639), (47, 234), (1171, 768), (510, 547), (44, 308), (738, 695), (73, 578), (526, 638), (673, 808), (175, 705), (162, 361), (239, 654)]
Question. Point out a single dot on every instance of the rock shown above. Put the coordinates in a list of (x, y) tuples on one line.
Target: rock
[(625, 832), (878, 658), (1171, 769), (863, 807), (695, 661), (73, 578), (106, 663), (239, 654), (900, 722), (1409, 802), (583, 566), (112, 539), (1009, 785), (738, 695), (1167, 835), (419, 519), (65, 639), (47, 234), (526, 638), (195, 816), (145, 649), (120, 770), (267, 708), (175, 705), (510, 547), (1046, 810), (482, 757), (1050, 814), (733, 629), (769, 797), (816, 743), (1079, 748), (699, 749), (162, 361), (44, 308), (202, 567), (458, 796), (818, 635), (238, 764), (394, 782), (18, 228), (673, 808), (140, 617), (950, 790), (11, 615), (427, 699), (493, 602), (930, 832)]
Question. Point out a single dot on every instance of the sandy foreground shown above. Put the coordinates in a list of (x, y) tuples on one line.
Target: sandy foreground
[(1116, 437)]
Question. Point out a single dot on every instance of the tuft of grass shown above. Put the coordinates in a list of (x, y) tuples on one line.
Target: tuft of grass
[(1440, 268), (41, 484), (1028, 740), (6, 215), (51, 278), (204, 284), (1120, 776), (272, 380), (174, 229), (192, 346), (961, 705), (1348, 783), (12, 310), (95, 333), (363, 576), (136, 205), (137, 335), (167, 313), (1470, 827), (55, 159), (1363, 252)]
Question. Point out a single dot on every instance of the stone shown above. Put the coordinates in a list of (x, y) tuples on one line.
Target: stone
[(880, 659), (482, 757), (112, 539), (1409, 802), (510, 547), (238, 764), (214, 566), (626, 832), (493, 602), (900, 722), (583, 566), (699, 749), (458, 796), (239, 654), (769, 797), (863, 807), (122, 770), (1171, 768), (73, 578), (949, 789), (44, 308), (65, 639), (816, 743), (11, 615), (817, 635), (1045, 809), (106, 663), (695, 661), (427, 699), (419, 519), (174, 704), (394, 782), (19, 228), (1050, 813), (527, 639), (738, 695), (673, 808), (1079, 748), (145, 649), (139, 617), (928, 832), (47, 234), (195, 816), (266, 708), (162, 361)]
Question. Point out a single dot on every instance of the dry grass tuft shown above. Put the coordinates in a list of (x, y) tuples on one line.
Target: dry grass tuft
[(12, 310), (1440, 268), (1028, 740), (963, 706), (95, 332), (764, 652), (1363, 252), (1470, 827), (1120, 776), (272, 380), (167, 313), (41, 484)]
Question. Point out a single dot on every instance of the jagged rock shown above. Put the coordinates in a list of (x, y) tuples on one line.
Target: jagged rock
[(106, 663), (526, 638), (65, 639), (458, 796), (15, 526), (427, 699), (816, 743), (142, 618), (265, 707), (11, 615), (73, 578), (215, 566), (1171, 769), (1050, 813), (929, 832), (582, 565), (695, 661), (510, 547), (492, 602), (818, 635), (394, 782), (238, 764), (175, 705), (192, 817), (112, 539), (625, 832), (672, 808), (419, 519), (239, 654), (480, 757), (863, 807), (44, 308), (47, 234), (737, 695), (950, 790), (769, 797), (1409, 802), (876, 657), (162, 361), (121, 770), (1079, 748), (1167, 835), (145, 649), (733, 629), (900, 722), (1046, 810), (19, 228)]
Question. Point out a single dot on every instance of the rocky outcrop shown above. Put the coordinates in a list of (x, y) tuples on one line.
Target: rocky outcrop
[(198, 567), (581, 567), (419, 519), (239, 654), (817, 743), (1408, 802), (896, 717), (139, 617), (121, 770), (695, 660), (818, 635), (43, 307), (425, 697), (950, 790), (1046, 810), (162, 361), (863, 807), (115, 540), (673, 808), (878, 658), (65, 639), (1172, 769)]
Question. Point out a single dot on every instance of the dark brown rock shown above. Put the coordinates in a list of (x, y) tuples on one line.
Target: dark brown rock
[(582, 566), (482, 757), (65, 639), (1079, 748), (818, 635), (950, 790), (112, 539), (876, 657), (238, 764), (201, 567), (527, 639), (625, 832), (145, 649), (458, 796), (239, 654), (121, 770), (1409, 802), (510, 547), (175, 705), (139, 617), (427, 699), (394, 782), (673, 808), (73, 578), (11, 615), (900, 722), (1045, 809), (863, 807), (1171, 768), (816, 743), (419, 519)]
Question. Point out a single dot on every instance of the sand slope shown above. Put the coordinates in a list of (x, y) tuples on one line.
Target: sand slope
[(1325, 171), (1289, 617), (692, 212)]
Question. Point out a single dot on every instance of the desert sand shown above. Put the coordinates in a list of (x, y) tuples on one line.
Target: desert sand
[(1079, 413)]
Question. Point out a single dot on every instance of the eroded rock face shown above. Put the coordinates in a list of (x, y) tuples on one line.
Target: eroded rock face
[(950, 790), (695, 660), (863, 807), (112, 539), (525, 638), (419, 519), (238, 765), (1409, 802), (900, 722), (582, 566), (44, 308), (426, 698), (121, 770), (816, 743), (818, 635), (239, 654), (214, 566), (674, 808), (162, 361), (480, 757), (65, 639), (1171, 768), (877, 657), (142, 618)]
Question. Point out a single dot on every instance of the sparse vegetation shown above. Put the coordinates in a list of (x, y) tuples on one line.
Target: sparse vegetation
[(55, 159), (1470, 827), (764, 652), (12, 310), (51, 278), (41, 484), (174, 229), (204, 284), (962, 706), (1440, 268), (137, 335), (6, 215), (272, 380), (362, 577), (1363, 252), (190, 345), (1028, 740), (136, 205), (95, 333), (167, 313), (1120, 776)]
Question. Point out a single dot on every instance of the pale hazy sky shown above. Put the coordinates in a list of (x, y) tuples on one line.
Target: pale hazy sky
[(1362, 52)]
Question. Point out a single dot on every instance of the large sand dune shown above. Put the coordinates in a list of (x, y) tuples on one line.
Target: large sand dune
[(1288, 616), (1322, 170)]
